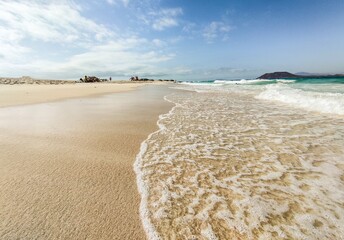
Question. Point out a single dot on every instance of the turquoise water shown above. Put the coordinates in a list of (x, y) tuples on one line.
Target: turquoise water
[(338, 80), (246, 159), (324, 95), (320, 80)]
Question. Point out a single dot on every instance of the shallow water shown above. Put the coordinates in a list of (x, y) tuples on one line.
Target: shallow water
[(229, 165), (325, 95)]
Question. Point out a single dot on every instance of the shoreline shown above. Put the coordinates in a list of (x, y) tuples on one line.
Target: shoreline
[(23, 94), (82, 185), (223, 161), (143, 190)]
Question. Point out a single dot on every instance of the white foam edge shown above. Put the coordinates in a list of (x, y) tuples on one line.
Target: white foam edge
[(184, 88), (243, 81), (201, 83), (143, 189), (323, 102)]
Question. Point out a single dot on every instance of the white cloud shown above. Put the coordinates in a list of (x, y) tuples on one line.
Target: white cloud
[(216, 30), (224, 71), (163, 23), (164, 18), (91, 48), (214, 73), (189, 27), (113, 2), (52, 22), (9, 47), (119, 56), (159, 43), (172, 12), (114, 58)]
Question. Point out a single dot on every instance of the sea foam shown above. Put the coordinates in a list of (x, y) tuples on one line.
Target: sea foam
[(226, 166), (244, 81), (324, 102)]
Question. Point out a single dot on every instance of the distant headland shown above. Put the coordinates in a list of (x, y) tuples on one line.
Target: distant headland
[(280, 75)]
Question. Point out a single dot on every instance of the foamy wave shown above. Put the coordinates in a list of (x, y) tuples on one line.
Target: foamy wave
[(200, 88), (231, 82), (226, 166), (323, 102), (200, 83), (143, 188), (285, 81), (243, 81)]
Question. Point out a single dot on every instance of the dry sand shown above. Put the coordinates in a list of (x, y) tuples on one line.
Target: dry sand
[(27, 94), (66, 167)]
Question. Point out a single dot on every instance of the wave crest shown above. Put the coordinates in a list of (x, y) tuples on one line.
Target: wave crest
[(324, 102)]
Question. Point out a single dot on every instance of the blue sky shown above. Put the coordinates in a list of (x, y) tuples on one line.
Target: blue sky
[(180, 39)]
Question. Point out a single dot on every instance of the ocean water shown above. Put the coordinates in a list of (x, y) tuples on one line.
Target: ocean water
[(247, 159)]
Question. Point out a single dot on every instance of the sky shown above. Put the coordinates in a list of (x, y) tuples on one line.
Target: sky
[(179, 39)]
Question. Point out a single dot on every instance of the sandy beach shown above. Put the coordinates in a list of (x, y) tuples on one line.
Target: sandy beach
[(171, 120), (11, 95), (66, 167)]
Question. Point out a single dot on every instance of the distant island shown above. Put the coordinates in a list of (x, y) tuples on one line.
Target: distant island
[(280, 75)]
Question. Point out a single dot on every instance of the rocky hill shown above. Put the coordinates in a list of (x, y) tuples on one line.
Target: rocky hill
[(278, 75)]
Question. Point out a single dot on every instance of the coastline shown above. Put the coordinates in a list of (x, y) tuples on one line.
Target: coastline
[(225, 164), (67, 166), (143, 189), (22, 94)]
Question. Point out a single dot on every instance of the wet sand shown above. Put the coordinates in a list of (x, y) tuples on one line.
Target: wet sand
[(11, 95), (66, 167), (225, 165)]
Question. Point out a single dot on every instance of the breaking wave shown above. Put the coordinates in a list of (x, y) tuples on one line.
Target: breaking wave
[(324, 102)]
